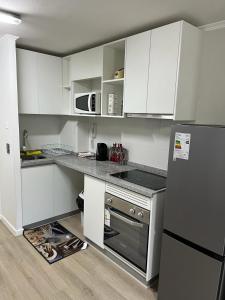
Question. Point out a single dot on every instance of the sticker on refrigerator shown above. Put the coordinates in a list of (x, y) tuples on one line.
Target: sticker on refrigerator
[(181, 145)]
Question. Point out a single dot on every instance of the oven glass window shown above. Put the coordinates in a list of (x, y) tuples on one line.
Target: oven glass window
[(127, 237), (82, 103)]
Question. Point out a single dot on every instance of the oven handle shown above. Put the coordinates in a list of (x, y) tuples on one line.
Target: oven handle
[(124, 219)]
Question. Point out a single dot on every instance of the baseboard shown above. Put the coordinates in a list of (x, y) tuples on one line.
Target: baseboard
[(11, 228), (50, 220)]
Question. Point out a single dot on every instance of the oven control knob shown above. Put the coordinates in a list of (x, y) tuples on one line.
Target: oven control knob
[(140, 214), (109, 200), (132, 211)]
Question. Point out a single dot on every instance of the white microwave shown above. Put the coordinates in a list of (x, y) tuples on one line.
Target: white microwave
[(87, 103)]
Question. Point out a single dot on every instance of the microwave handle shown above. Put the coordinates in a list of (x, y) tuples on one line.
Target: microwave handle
[(124, 219), (89, 102)]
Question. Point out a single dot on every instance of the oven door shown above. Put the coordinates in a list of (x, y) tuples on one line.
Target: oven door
[(126, 236)]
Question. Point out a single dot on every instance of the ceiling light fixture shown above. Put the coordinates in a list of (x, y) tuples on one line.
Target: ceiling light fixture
[(9, 18)]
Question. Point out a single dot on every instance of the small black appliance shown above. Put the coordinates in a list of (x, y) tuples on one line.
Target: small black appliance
[(101, 152)]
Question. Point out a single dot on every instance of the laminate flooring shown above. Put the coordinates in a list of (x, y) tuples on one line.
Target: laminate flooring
[(25, 275)]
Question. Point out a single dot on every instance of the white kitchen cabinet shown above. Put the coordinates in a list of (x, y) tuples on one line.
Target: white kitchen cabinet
[(49, 191), (87, 64), (94, 192), (137, 68), (172, 72), (164, 58), (27, 81), (37, 193), (49, 81), (67, 186), (40, 84)]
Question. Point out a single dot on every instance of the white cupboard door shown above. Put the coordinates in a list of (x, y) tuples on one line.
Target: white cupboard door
[(67, 186), (27, 81), (49, 78), (94, 192), (37, 193), (87, 64), (136, 72), (164, 56)]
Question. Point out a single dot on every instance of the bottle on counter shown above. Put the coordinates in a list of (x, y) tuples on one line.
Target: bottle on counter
[(118, 154)]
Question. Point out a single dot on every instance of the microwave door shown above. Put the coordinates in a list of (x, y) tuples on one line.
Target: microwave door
[(82, 104)]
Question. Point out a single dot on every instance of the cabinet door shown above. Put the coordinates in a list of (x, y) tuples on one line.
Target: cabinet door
[(67, 186), (49, 79), (27, 81), (37, 193), (164, 53), (87, 64), (94, 192), (136, 69)]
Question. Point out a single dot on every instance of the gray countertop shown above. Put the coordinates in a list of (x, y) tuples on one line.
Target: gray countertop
[(98, 169)]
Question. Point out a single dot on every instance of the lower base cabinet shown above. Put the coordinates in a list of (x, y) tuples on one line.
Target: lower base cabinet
[(37, 193), (49, 191), (94, 193)]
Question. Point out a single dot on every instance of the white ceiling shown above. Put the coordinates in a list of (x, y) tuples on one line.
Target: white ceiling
[(65, 26)]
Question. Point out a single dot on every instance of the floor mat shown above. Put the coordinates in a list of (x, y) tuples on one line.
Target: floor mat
[(53, 241)]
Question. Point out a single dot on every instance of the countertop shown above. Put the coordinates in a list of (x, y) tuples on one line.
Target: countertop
[(98, 169)]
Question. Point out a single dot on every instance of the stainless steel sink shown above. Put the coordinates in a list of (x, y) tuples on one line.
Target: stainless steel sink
[(32, 157)]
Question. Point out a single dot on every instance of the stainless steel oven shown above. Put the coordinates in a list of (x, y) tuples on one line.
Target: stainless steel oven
[(126, 230)]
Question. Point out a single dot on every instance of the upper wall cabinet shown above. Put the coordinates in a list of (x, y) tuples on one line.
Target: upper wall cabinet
[(172, 64), (27, 82), (137, 67), (40, 83), (49, 80), (86, 64)]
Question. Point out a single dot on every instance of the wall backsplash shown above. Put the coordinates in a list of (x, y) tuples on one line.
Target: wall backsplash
[(41, 129), (147, 140)]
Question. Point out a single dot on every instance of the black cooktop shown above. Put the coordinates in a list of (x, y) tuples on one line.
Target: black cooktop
[(142, 178)]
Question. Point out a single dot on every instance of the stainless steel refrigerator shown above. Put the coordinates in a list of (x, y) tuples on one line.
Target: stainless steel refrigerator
[(192, 257)]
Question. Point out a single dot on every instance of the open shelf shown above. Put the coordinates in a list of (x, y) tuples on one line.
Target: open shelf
[(117, 90), (115, 81), (113, 59), (112, 116), (87, 85)]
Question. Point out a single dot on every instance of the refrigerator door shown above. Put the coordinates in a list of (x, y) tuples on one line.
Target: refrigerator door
[(187, 274), (195, 204)]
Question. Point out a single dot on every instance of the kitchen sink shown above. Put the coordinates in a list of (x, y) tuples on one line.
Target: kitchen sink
[(32, 157)]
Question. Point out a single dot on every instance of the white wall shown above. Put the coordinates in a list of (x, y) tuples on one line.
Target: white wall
[(75, 133), (147, 140), (43, 130), (10, 180)]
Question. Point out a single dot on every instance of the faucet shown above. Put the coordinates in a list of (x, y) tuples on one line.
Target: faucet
[(25, 136)]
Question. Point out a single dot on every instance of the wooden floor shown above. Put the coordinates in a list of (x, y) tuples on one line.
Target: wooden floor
[(88, 274)]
